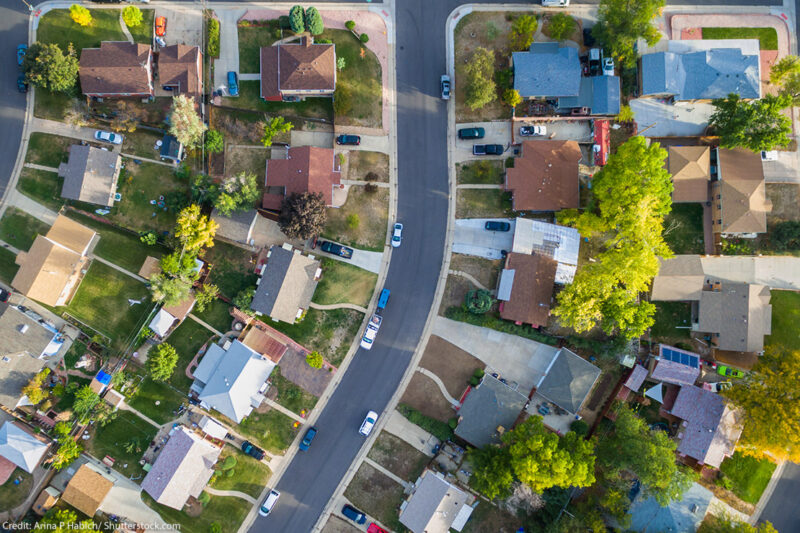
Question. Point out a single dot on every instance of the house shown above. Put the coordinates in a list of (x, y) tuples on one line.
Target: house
[(551, 240), (568, 381), (87, 489), (117, 69), (435, 505), (739, 203), (294, 71), (679, 279), (286, 284), (265, 341), (20, 447), (237, 226), (171, 316), (636, 378), (28, 340), (547, 70), (231, 379), (684, 515), (182, 469), (180, 70), (676, 366), (90, 175), (51, 270), (687, 273), (46, 500), (114, 398), (525, 288), (171, 149), (545, 176), (690, 167), (709, 429), (737, 315), (488, 411), (304, 169), (600, 94)]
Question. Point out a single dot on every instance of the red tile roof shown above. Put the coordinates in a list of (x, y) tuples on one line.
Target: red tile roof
[(308, 169), (116, 68), (303, 66), (180, 66), (545, 176)]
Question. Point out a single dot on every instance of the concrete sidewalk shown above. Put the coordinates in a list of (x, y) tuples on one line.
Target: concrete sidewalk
[(399, 426)]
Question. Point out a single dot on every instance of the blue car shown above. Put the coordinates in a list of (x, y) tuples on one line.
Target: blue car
[(233, 84), (22, 49), (306, 442)]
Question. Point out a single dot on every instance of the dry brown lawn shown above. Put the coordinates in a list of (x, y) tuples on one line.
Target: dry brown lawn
[(339, 525), (239, 158), (398, 456), (372, 210), (362, 163), (785, 199), (424, 395), (376, 494), (455, 290), (453, 365), (484, 270)]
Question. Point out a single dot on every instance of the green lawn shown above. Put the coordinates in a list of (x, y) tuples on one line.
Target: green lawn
[(480, 203), (228, 512), (249, 476), (217, 315), (74, 353), (143, 33), (140, 185), (151, 392), (187, 339), (141, 143), (272, 430), (251, 40), (48, 150), (683, 229), (318, 329), (50, 105), (56, 26), (102, 303), (767, 37), (670, 315), (250, 98), (8, 265), (42, 186), (785, 320), (372, 212), (112, 438), (481, 172), (290, 395), (12, 495), (344, 283), (19, 229), (231, 268), (749, 475)]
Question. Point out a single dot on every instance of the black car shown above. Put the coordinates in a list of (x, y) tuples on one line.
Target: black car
[(487, 149), (354, 514), (336, 249), (4, 294), (352, 140), (471, 133), (588, 38), (22, 85), (252, 450), (495, 225)]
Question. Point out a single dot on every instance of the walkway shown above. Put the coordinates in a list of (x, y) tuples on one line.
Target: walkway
[(19, 200), (360, 183), (480, 186), (291, 414), (148, 160), (205, 324), (118, 268), (231, 493), (471, 278), (399, 426), (380, 468), (125, 28), (327, 307), (442, 388), (40, 167), (124, 406)]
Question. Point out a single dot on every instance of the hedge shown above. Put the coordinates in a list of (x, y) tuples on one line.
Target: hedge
[(440, 430), (213, 38)]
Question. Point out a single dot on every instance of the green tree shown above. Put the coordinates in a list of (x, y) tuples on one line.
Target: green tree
[(185, 123), (212, 48), (622, 22), (80, 15), (179, 265), (314, 359), (168, 290), (238, 193), (62, 429), (353, 221), (341, 62), (492, 474), (561, 26), (132, 16), (35, 390), (228, 463), (478, 301), (625, 114), (161, 361), (314, 24), (86, 401), (757, 125), (297, 19), (727, 524), (63, 521), (302, 215), (48, 67), (350, 25), (522, 30), (207, 294), (511, 97), (275, 126), (786, 75), (243, 300), (215, 142), (481, 88), (195, 230), (150, 238)]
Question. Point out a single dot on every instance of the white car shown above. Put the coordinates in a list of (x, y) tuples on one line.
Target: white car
[(107, 136), (532, 131), (371, 332), (555, 3), (397, 235), (608, 66), (269, 502), (368, 423), (769, 155)]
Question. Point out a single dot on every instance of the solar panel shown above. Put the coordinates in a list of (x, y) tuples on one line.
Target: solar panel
[(680, 357)]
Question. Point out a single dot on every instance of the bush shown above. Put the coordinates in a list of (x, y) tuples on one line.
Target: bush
[(561, 26), (353, 221), (785, 236), (212, 49), (440, 430), (314, 24), (453, 422), (625, 114), (229, 463), (132, 16), (364, 38), (479, 373), (511, 97), (204, 498), (502, 78), (370, 188), (297, 19), (522, 30), (478, 301), (350, 25), (580, 427), (284, 23), (80, 15), (474, 381), (490, 321), (323, 41), (314, 360)]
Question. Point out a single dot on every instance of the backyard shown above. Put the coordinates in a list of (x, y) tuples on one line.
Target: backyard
[(398, 457), (48, 150), (19, 229), (748, 476), (488, 518), (141, 187), (785, 320), (328, 332), (125, 439), (187, 339), (141, 143), (481, 172), (143, 33), (231, 268), (12, 495), (672, 321), (149, 393), (362, 221), (377, 495), (248, 476), (290, 395), (216, 315), (683, 229), (42, 186), (344, 283), (480, 203), (251, 159), (227, 512)]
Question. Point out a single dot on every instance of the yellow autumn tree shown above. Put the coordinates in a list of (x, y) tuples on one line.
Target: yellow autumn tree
[(80, 15)]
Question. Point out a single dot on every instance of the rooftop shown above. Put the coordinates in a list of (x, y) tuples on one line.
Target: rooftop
[(21, 447), (87, 489), (547, 70), (488, 410), (179, 66), (545, 176), (299, 67), (568, 381), (601, 94), (90, 175), (739, 313), (531, 288), (306, 169), (551, 240), (116, 68), (690, 167), (286, 285), (744, 202), (435, 506)]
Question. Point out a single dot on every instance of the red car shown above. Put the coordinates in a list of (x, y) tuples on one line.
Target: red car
[(375, 528), (161, 26)]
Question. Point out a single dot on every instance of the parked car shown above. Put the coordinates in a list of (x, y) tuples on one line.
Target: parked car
[(233, 83), (769, 155), (496, 225), (22, 85), (352, 140), (397, 235), (252, 450), (487, 149), (375, 528), (22, 49), (368, 424), (371, 331), (608, 66), (161, 26), (336, 249), (555, 3), (269, 502), (309, 436), (354, 514), (718, 387), (383, 299), (471, 133), (588, 38), (594, 61), (729, 372), (533, 131), (107, 136), (445, 83), (4, 295)]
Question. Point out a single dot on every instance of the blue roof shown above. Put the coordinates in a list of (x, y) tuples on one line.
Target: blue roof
[(679, 516), (103, 378), (714, 74), (599, 93), (547, 70)]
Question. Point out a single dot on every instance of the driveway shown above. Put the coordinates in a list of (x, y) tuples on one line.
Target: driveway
[(228, 59), (370, 261), (776, 272), (516, 358), (471, 238), (498, 132), (660, 119), (320, 139), (184, 26), (558, 130), (371, 143), (784, 170)]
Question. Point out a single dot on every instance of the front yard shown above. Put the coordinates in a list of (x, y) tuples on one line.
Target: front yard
[(48, 150), (683, 229), (227, 512), (748, 476), (12, 494), (57, 27), (785, 320), (125, 439), (328, 332), (377, 495), (344, 283), (767, 37), (362, 221), (483, 203), (252, 39), (481, 172), (368, 166), (398, 457), (19, 229), (269, 428), (289, 395), (248, 476), (42, 186), (8, 265)]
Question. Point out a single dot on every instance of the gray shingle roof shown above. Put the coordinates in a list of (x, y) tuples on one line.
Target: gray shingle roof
[(568, 380), (286, 286), (433, 506), (547, 70), (489, 405), (601, 94), (739, 313), (90, 175), (238, 226)]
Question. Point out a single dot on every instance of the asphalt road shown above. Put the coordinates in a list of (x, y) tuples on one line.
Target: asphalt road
[(13, 31), (782, 509)]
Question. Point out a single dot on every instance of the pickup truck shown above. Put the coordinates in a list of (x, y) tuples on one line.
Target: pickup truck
[(371, 332), (252, 450), (487, 149), (336, 249)]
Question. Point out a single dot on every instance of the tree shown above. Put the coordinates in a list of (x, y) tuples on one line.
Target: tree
[(757, 125), (341, 62), (768, 397), (178, 265), (786, 75), (184, 122), (275, 126), (481, 88), (149, 238), (511, 97), (561, 26), (132, 16), (161, 361), (297, 19), (727, 524), (34, 390), (302, 215), (522, 30), (350, 25), (492, 475), (215, 142), (203, 189), (80, 15), (238, 193), (85, 402), (478, 301), (212, 48), (625, 114), (64, 521), (364, 38), (62, 429), (195, 230), (314, 359), (314, 24), (622, 22), (243, 300), (207, 294), (48, 67), (168, 290)]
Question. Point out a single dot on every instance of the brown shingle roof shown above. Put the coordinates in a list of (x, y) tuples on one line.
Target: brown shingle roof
[(179, 66), (744, 203), (690, 167), (545, 177), (90, 175), (265, 343), (86, 490), (297, 67), (150, 266), (181, 309), (532, 290), (116, 68), (308, 169)]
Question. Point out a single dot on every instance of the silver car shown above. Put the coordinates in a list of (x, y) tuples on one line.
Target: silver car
[(107, 136)]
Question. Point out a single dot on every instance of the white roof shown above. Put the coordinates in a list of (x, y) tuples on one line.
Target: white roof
[(656, 393), (212, 428), (20, 447), (161, 323), (559, 242), (506, 282)]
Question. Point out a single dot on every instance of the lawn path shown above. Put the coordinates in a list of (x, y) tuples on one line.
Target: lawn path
[(327, 307), (471, 278), (231, 493), (387, 473), (365, 183), (40, 167), (206, 325), (140, 158), (287, 412), (442, 388), (125, 29), (479, 186), (119, 268), (150, 421)]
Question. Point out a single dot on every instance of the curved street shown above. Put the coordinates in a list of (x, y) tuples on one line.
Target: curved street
[(13, 31)]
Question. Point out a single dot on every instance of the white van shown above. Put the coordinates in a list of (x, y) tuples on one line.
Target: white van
[(269, 503), (555, 3)]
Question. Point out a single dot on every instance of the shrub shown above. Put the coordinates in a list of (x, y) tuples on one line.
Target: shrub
[(580, 427), (229, 463), (364, 38), (314, 359), (487, 320), (341, 62), (284, 23), (522, 30), (511, 97), (297, 19), (204, 498), (314, 24), (502, 78), (437, 428), (474, 380), (453, 422), (353, 221), (80, 15), (479, 373), (478, 301), (323, 41), (212, 49), (625, 114), (370, 188), (350, 25), (561, 26), (132, 16)]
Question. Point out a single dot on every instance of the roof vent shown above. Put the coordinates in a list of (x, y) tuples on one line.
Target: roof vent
[(22, 328)]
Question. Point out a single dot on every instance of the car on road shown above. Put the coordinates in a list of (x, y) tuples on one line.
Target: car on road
[(233, 83), (533, 131), (309, 436), (368, 424), (375, 528), (351, 140), (555, 3), (497, 225), (383, 299), (487, 149), (371, 331), (252, 450), (608, 66), (471, 133), (729, 372), (336, 249), (4, 295), (22, 49), (161, 26), (22, 85), (397, 235), (445, 84), (354, 514), (269, 502), (107, 136)]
